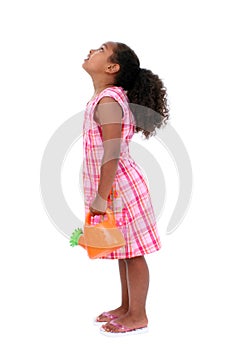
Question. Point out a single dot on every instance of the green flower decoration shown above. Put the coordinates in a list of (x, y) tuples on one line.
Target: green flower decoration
[(75, 237)]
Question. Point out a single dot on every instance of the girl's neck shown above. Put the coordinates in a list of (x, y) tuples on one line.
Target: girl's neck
[(99, 86), (99, 89)]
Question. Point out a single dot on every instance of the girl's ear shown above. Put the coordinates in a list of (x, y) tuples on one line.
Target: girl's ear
[(112, 68)]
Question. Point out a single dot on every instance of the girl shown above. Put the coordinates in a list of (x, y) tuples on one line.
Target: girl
[(112, 179)]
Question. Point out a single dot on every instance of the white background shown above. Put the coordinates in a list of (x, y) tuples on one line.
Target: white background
[(51, 292)]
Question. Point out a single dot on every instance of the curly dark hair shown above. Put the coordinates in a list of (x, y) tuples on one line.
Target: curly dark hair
[(145, 90)]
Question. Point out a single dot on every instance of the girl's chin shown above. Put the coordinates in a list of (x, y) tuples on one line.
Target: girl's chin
[(85, 68), (85, 63)]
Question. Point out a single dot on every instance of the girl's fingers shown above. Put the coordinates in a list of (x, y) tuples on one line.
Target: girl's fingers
[(94, 212)]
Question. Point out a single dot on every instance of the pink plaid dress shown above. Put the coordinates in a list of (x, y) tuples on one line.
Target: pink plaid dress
[(130, 199)]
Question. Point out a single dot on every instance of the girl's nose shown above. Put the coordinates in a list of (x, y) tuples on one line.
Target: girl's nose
[(91, 51)]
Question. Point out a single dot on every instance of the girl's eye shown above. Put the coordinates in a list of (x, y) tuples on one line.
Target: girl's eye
[(101, 49)]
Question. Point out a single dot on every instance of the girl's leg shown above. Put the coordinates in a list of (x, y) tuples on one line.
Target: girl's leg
[(124, 294), (124, 286), (138, 283)]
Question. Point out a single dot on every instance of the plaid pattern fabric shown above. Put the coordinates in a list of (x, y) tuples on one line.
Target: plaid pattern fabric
[(130, 199)]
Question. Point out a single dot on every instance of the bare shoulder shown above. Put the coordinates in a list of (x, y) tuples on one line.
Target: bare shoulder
[(108, 110), (107, 99)]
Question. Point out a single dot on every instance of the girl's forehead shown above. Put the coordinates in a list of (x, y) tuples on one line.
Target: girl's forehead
[(109, 44)]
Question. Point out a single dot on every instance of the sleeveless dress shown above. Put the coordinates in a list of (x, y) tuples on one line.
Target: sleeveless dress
[(129, 198)]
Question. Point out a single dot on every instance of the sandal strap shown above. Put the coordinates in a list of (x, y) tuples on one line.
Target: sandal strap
[(108, 315), (123, 328)]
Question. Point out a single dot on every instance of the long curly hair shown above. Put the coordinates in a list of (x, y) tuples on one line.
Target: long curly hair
[(145, 90)]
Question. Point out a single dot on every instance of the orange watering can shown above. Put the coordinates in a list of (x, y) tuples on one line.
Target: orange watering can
[(100, 239)]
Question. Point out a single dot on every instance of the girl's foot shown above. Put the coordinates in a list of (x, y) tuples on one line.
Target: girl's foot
[(126, 322), (111, 315)]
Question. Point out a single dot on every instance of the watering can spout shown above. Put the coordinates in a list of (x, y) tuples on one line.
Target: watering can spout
[(75, 237)]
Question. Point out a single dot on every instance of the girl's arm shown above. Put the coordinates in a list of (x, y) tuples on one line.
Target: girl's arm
[(109, 116)]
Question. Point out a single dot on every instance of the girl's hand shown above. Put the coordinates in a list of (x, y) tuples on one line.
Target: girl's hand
[(95, 212), (98, 206)]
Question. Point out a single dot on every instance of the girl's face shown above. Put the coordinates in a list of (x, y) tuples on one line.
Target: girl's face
[(97, 60)]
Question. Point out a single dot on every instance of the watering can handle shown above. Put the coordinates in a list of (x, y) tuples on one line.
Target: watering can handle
[(110, 217)]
